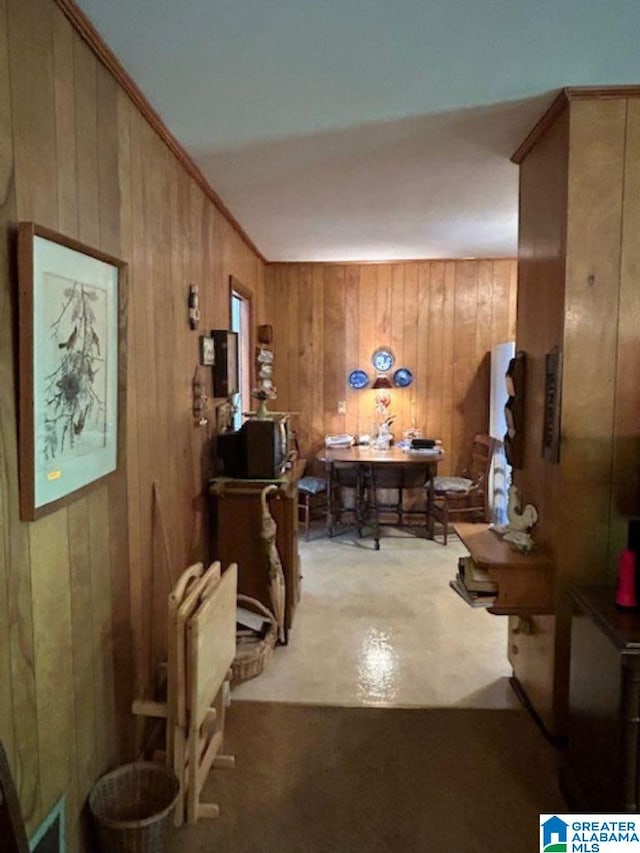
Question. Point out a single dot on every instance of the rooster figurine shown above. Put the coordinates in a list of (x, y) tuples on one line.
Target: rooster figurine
[(520, 522)]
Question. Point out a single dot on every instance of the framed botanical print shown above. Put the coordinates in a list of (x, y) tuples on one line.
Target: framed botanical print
[(70, 331)]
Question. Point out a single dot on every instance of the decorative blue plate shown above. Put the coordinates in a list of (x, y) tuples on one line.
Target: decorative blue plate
[(358, 379), (402, 377)]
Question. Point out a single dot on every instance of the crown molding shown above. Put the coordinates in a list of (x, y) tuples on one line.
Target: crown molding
[(563, 99)]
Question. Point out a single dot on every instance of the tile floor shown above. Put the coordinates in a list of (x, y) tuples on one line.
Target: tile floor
[(383, 628)]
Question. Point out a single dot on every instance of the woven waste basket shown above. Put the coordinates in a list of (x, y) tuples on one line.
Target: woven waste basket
[(132, 806), (253, 653)]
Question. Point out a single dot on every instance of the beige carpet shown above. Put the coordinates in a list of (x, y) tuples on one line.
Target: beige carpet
[(363, 780)]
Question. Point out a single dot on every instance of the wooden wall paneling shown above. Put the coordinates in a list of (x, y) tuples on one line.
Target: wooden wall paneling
[(113, 594), (100, 533), (31, 70), (297, 296), (433, 367), (65, 125), (53, 668), (484, 342), (449, 399), (502, 307), (383, 304), (367, 343), (87, 164), (625, 496), (107, 162), (307, 368), (540, 325), (540, 321), (410, 342), (137, 404), (419, 301), (422, 320), (464, 362), (165, 305), (597, 133), (218, 279), (86, 115), (351, 396), (83, 647), (8, 449), (513, 301), (142, 338), (400, 401), (280, 366), (333, 373), (33, 119), (123, 660), (179, 391), (215, 315), (88, 201), (318, 350), (158, 334)]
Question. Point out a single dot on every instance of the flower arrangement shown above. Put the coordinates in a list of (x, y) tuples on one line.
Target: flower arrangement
[(263, 393)]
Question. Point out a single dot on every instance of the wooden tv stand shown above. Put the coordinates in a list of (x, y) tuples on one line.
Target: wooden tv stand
[(237, 521), (524, 580)]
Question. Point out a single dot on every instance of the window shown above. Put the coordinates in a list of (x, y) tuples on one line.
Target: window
[(241, 323)]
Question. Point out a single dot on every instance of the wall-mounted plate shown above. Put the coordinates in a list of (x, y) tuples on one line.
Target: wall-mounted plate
[(383, 360), (358, 379), (403, 377)]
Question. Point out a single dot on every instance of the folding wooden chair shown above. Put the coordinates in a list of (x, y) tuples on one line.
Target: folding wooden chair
[(211, 648)]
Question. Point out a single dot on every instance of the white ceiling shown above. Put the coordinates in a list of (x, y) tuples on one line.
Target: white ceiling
[(366, 129)]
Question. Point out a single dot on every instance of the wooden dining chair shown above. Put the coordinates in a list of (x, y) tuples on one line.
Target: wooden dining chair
[(466, 495), (312, 499)]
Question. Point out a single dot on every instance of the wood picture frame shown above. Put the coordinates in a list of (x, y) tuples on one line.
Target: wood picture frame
[(72, 329)]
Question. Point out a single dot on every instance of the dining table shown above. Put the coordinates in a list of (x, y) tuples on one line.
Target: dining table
[(366, 462)]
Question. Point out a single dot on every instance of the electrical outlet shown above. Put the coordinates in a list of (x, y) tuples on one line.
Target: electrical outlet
[(342, 407)]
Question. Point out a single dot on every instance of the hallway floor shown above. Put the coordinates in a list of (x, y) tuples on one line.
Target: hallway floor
[(383, 628), (386, 724)]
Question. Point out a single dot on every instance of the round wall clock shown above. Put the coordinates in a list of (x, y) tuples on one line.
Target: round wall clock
[(383, 360)]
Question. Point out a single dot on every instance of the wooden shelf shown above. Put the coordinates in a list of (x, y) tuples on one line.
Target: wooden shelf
[(237, 533), (524, 580)]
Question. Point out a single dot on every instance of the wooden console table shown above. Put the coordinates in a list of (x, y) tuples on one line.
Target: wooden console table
[(237, 523), (524, 580)]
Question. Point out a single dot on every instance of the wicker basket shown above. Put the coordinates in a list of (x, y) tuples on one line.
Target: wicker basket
[(132, 807), (252, 653)]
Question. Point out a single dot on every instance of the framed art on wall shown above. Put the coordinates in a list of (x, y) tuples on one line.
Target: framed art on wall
[(70, 332)]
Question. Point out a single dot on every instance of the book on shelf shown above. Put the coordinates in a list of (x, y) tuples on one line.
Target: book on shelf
[(475, 599), (474, 578)]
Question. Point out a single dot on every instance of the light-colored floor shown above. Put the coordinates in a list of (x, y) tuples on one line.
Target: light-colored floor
[(383, 628)]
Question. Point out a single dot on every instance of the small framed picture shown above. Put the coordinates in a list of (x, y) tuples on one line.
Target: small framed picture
[(207, 356)]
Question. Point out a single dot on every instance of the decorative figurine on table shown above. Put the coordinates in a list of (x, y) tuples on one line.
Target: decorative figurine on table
[(384, 436), (383, 439), (518, 529)]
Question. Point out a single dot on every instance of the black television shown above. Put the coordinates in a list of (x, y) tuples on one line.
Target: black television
[(259, 450)]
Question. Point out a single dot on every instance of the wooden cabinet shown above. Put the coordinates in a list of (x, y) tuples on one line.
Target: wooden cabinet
[(236, 525), (601, 771), (524, 581)]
